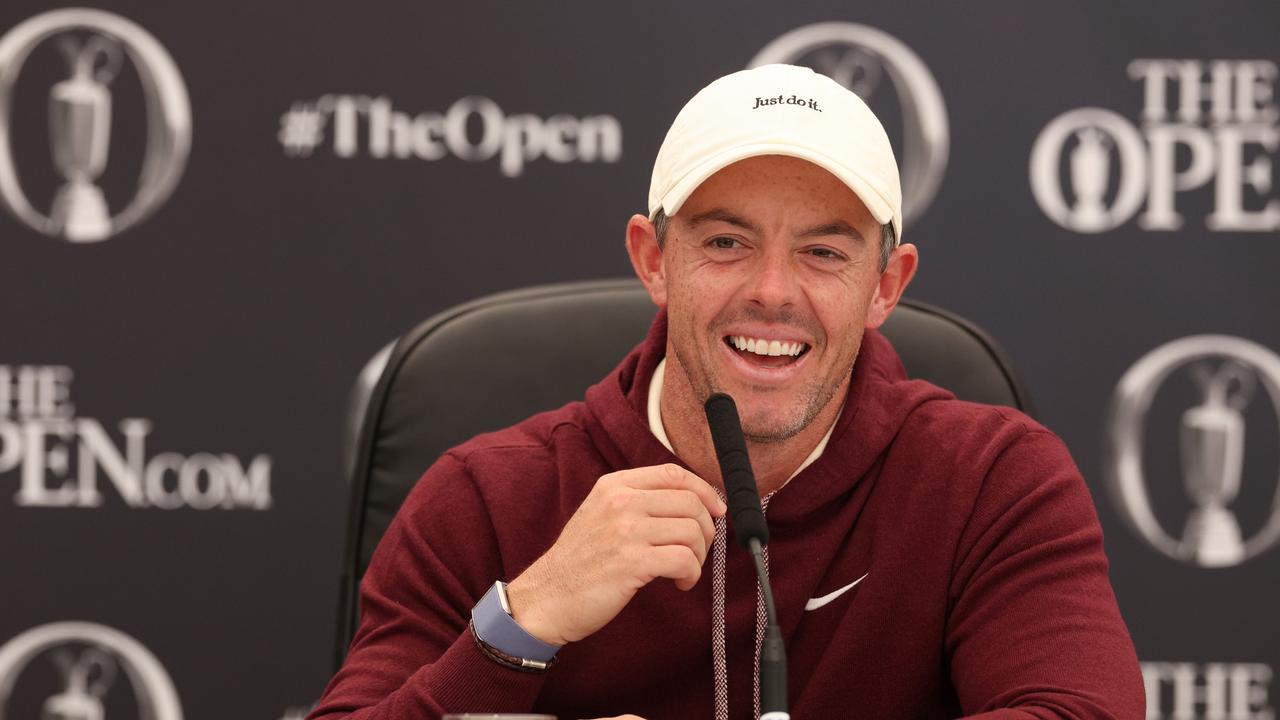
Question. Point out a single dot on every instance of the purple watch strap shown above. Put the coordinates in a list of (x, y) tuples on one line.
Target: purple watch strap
[(497, 629)]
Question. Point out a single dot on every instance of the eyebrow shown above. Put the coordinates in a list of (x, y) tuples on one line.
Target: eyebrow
[(724, 216), (837, 227)]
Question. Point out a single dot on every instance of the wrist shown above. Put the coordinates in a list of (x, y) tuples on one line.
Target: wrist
[(523, 595), (507, 642)]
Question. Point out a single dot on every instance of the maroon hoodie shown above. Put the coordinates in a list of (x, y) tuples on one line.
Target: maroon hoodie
[(985, 589)]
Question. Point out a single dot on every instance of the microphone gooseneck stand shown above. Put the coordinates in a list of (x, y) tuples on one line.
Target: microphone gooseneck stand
[(773, 653), (752, 533)]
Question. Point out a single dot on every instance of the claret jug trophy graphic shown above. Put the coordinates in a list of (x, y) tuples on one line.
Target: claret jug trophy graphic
[(1230, 374), (81, 110), (99, 668), (79, 132), (1212, 444), (87, 678), (1090, 169)]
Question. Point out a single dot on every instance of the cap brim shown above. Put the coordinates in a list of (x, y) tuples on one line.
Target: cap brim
[(675, 198)]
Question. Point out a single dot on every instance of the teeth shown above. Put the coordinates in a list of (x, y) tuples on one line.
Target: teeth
[(772, 348)]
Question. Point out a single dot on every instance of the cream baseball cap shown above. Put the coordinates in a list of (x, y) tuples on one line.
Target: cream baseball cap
[(778, 110)]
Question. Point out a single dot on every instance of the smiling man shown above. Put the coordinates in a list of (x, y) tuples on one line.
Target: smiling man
[(769, 273), (931, 558)]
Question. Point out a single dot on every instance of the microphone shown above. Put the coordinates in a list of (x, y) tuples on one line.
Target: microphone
[(752, 532), (735, 468)]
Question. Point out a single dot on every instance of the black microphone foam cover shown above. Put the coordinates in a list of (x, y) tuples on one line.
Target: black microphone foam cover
[(735, 468)]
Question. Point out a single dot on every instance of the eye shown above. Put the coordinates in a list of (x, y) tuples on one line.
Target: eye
[(825, 253), (724, 242)]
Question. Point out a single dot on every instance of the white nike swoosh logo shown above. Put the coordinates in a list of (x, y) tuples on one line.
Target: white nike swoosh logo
[(815, 603)]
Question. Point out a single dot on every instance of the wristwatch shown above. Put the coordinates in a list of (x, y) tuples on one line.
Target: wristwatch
[(502, 638)]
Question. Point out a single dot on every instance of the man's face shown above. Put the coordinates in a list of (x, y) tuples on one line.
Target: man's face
[(769, 271)]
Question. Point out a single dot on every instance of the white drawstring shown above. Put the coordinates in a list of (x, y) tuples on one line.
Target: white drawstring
[(719, 661), (719, 664)]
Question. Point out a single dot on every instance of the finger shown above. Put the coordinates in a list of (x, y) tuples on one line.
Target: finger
[(677, 531), (677, 562), (674, 477), (678, 504)]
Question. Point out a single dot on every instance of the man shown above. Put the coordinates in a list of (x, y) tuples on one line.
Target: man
[(930, 558)]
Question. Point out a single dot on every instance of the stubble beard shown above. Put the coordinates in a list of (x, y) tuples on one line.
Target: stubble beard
[(814, 397)]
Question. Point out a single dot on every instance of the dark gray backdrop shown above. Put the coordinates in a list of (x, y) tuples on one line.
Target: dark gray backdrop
[(237, 315)]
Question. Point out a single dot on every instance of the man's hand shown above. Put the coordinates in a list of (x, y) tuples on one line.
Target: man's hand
[(635, 526)]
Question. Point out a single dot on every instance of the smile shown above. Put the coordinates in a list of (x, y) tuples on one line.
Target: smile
[(766, 360), (771, 348)]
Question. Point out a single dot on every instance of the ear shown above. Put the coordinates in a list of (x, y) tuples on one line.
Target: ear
[(646, 258), (893, 281)]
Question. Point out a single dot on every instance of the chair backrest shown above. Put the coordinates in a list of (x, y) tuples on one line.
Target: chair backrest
[(494, 361)]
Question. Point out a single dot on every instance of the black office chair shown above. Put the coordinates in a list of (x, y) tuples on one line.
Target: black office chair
[(492, 362)]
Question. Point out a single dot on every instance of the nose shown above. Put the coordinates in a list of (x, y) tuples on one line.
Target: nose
[(775, 282)]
